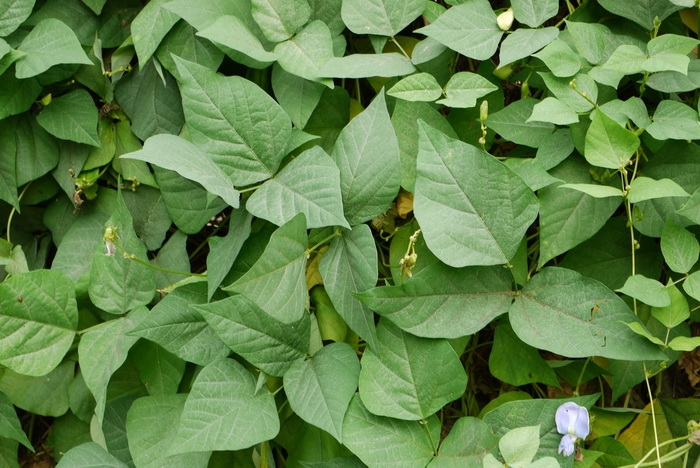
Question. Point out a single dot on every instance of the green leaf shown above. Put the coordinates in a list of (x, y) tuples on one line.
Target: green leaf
[(486, 222), (647, 290), (270, 345), (13, 13), (280, 19), (626, 59), (38, 319), (182, 42), (8, 153), (151, 220), (297, 96), (671, 44), (594, 190), (367, 65), (118, 284), (37, 151), (468, 442), (350, 266), (563, 91), (224, 250), (444, 302), (159, 370), (532, 172), (676, 312), (223, 411), (561, 311), (50, 43), (529, 366), (380, 17), (367, 153), (674, 120), (276, 282), (152, 101), (666, 62), (232, 32), (644, 188), (89, 455), (151, 426), (418, 87), (380, 441), (74, 255), (235, 121), (608, 144), (511, 123), (201, 14), (680, 247), (525, 42), (320, 389), (561, 60), (9, 423), (553, 111), (464, 88), (102, 350), (534, 12), (684, 343), (400, 383), (309, 184), (175, 325), (47, 395), (177, 154), (72, 116), (16, 98), (519, 445), (150, 27), (691, 285), (305, 54), (644, 12), (469, 28)]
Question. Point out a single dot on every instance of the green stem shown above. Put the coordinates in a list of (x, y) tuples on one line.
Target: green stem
[(393, 39), (580, 377), (319, 244), (430, 436), (249, 189), (263, 454), (669, 456), (12, 212), (653, 414), (164, 270)]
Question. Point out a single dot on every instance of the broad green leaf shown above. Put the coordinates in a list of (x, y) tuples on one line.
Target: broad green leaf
[(182, 42), (684, 343), (235, 121), (276, 282), (674, 120), (189, 205), (691, 208), (367, 153), (680, 247), (519, 445), (418, 87), (12, 14), (72, 116), (232, 32), (525, 42), (280, 19), (150, 27), (350, 266), (380, 17), (75, 252), (671, 44), (201, 14), (511, 123), (608, 144), (647, 290), (223, 411), (644, 12), (9, 423), (320, 389), (464, 88), (399, 382), (644, 188), (328, 11), (381, 441), (89, 455), (673, 82), (691, 285), (172, 256), (224, 250), (37, 151), (594, 190), (159, 370), (468, 442), (175, 325), (367, 65), (529, 366), (119, 284), (465, 221), (532, 172), (305, 53), (270, 345), (47, 395), (562, 90), (50, 43), (38, 319), (444, 302), (674, 313), (102, 350), (309, 184), (666, 62), (561, 60), (177, 154), (534, 12), (469, 28), (297, 96), (8, 452), (152, 101), (8, 153), (151, 426), (151, 220), (561, 311), (553, 111)]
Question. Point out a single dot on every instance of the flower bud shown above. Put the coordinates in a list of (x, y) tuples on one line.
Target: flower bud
[(505, 19)]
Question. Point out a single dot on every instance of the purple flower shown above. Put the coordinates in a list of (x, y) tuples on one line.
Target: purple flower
[(573, 423)]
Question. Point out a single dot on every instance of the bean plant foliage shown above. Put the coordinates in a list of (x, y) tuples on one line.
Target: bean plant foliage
[(347, 233)]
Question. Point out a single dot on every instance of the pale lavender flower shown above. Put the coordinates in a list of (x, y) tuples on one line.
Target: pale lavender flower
[(573, 423)]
